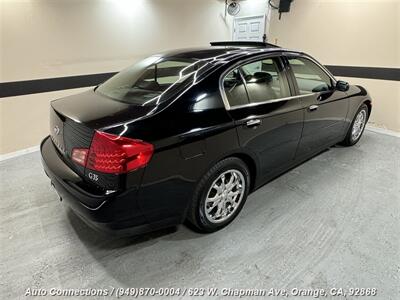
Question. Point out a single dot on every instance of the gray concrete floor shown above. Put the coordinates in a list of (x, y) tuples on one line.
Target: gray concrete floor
[(332, 222)]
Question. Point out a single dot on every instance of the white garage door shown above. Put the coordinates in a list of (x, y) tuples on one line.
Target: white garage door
[(249, 28)]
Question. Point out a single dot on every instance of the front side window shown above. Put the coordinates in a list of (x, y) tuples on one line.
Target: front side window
[(309, 76), (265, 80), (148, 81)]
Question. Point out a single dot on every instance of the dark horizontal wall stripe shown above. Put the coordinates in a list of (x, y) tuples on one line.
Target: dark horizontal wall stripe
[(366, 72), (17, 88)]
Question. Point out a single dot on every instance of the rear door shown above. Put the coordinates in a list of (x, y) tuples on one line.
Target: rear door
[(325, 108), (268, 119)]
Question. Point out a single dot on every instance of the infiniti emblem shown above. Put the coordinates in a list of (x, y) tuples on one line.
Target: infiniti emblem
[(56, 130)]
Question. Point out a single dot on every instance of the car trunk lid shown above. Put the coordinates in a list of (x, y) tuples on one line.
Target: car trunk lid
[(74, 120)]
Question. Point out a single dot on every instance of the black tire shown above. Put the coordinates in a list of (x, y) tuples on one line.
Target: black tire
[(349, 139), (197, 210)]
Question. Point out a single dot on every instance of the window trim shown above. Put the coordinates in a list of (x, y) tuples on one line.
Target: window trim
[(268, 101), (280, 56)]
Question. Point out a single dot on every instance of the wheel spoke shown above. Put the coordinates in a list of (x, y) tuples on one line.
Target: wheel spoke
[(209, 209), (234, 183), (213, 199), (233, 195), (218, 187), (223, 181), (219, 210), (232, 178)]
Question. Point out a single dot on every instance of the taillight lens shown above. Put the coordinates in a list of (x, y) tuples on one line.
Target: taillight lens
[(111, 153)]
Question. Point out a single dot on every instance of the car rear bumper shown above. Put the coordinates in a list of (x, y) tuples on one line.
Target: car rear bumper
[(115, 212)]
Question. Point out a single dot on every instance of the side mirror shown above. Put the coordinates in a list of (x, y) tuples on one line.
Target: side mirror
[(342, 86)]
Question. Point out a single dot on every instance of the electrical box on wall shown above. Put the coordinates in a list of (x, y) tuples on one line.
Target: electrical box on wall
[(284, 6)]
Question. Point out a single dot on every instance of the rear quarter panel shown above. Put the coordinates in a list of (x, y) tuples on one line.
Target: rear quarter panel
[(189, 136)]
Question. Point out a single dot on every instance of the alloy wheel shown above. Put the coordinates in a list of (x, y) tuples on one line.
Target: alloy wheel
[(359, 125), (224, 196)]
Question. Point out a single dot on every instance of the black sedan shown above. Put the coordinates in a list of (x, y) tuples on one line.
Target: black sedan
[(188, 134)]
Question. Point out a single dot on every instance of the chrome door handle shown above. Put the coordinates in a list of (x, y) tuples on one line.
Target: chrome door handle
[(313, 107), (254, 122)]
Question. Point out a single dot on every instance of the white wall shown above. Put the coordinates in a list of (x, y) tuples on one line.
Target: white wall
[(49, 38), (253, 7)]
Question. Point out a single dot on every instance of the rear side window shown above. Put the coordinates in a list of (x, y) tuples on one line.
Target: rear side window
[(150, 81), (265, 80), (309, 76), (235, 89), (163, 74)]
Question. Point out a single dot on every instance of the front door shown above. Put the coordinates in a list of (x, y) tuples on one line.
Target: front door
[(269, 121), (325, 108), (249, 28)]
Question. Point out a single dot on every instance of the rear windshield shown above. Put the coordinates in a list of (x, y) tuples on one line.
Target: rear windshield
[(151, 81)]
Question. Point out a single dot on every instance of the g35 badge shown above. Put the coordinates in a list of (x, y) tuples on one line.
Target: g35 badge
[(93, 177)]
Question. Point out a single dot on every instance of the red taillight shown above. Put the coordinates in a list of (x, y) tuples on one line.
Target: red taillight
[(79, 155), (111, 153)]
